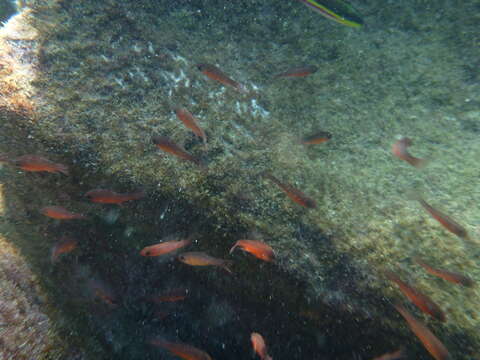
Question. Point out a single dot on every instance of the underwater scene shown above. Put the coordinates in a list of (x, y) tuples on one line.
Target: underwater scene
[(249, 179)]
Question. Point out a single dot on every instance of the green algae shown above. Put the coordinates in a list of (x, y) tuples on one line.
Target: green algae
[(111, 76)]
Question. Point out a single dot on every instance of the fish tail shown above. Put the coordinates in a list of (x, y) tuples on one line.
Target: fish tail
[(202, 164), (226, 266), (63, 169), (53, 257), (390, 275), (5, 158), (419, 261), (233, 247), (138, 195), (267, 175), (419, 163), (241, 88), (158, 341)]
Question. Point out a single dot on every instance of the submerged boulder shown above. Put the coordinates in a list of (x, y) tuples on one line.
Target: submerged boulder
[(89, 84)]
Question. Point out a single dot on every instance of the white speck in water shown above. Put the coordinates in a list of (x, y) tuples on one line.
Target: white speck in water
[(128, 231)]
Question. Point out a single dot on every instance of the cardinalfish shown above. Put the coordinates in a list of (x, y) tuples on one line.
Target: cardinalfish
[(37, 163), (167, 145), (297, 72), (396, 355), (259, 346), (317, 138), (447, 222), (103, 196), (444, 274), (60, 213), (294, 194), (174, 295), (257, 248), (197, 258), (428, 339), (181, 350), (64, 246), (399, 149), (215, 73), (164, 247), (422, 301), (191, 123), (336, 10)]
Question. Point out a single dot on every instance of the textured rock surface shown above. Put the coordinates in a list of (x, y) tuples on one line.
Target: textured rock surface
[(93, 82), (26, 332)]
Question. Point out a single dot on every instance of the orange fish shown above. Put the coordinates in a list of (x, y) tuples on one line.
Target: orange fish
[(111, 197), (399, 149), (60, 213), (191, 122), (256, 248), (171, 296), (259, 346), (164, 247), (38, 164), (422, 301), (183, 351), (429, 341), (65, 245), (297, 72), (318, 138), (396, 355), (294, 194), (447, 222), (446, 275), (196, 258), (215, 73), (167, 145)]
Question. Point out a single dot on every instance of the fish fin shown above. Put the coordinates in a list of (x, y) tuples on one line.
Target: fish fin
[(390, 275), (233, 248), (226, 266), (421, 163), (242, 88), (53, 257), (63, 169), (158, 341), (139, 194), (418, 260), (5, 158)]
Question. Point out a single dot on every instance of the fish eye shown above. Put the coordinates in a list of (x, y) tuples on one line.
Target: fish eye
[(147, 252)]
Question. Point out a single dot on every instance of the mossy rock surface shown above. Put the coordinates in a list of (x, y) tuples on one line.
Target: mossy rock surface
[(106, 77)]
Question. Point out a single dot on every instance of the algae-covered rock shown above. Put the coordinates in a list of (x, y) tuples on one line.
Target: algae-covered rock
[(25, 330), (90, 83)]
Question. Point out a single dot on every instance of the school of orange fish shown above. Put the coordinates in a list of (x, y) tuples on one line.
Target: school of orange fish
[(259, 249)]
